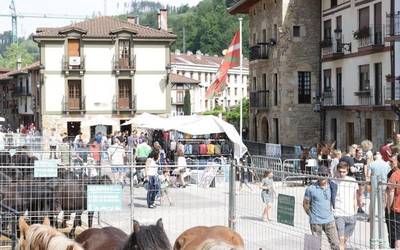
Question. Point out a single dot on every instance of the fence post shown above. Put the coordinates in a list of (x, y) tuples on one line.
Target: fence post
[(374, 241), (232, 198), (383, 240)]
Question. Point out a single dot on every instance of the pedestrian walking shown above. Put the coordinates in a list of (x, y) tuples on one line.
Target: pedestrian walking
[(345, 204), (317, 204), (267, 194), (152, 178)]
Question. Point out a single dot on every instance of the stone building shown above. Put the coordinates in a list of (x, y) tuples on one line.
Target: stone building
[(284, 69), (355, 72)]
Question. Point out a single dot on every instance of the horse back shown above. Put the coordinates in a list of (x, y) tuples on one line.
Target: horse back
[(108, 238)]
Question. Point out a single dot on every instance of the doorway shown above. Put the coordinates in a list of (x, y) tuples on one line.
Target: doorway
[(125, 127), (264, 129), (73, 128)]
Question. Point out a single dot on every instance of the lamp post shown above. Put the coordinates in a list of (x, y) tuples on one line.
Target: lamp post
[(37, 106)]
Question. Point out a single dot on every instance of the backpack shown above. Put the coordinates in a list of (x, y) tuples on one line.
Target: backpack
[(203, 149)]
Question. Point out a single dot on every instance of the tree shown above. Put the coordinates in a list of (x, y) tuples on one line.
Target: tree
[(187, 103), (9, 59)]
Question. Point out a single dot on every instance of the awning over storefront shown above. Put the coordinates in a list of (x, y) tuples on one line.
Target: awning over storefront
[(194, 125)]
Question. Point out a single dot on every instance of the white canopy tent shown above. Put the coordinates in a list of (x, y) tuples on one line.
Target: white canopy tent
[(101, 120), (2, 119), (194, 125)]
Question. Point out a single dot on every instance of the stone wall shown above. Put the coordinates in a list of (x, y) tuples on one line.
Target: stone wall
[(298, 123)]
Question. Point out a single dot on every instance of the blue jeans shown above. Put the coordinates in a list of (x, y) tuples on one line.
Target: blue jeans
[(154, 187)]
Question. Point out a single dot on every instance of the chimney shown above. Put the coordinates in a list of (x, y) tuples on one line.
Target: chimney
[(19, 62), (198, 54), (177, 52), (162, 18), (133, 19)]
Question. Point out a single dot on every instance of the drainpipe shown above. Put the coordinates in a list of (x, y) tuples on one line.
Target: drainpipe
[(319, 93), (395, 108)]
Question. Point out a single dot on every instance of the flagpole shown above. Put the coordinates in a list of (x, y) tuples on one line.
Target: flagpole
[(241, 84)]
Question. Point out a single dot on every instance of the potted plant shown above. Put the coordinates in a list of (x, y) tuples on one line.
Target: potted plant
[(361, 33)]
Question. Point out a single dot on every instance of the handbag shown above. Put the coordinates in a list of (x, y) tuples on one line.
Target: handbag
[(146, 185)]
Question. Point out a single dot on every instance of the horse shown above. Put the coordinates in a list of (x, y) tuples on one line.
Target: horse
[(324, 150), (305, 155), (43, 237), (71, 196), (152, 237), (207, 238)]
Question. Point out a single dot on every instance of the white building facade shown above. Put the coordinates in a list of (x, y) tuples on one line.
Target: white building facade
[(105, 69), (356, 60), (203, 68)]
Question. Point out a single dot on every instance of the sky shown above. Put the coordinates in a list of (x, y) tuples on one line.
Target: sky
[(26, 26)]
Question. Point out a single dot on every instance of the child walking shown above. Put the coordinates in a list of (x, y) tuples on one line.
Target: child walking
[(267, 193), (165, 182)]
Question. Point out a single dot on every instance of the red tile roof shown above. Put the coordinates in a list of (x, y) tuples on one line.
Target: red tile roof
[(242, 7), (8, 75), (213, 61), (104, 27), (174, 78)]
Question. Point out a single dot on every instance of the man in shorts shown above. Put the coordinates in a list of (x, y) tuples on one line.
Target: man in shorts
[(345, 204)]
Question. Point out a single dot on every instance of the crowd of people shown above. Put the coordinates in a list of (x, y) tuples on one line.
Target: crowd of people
[(337, 199)]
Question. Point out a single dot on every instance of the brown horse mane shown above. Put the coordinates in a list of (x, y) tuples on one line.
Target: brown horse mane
[(148, 237)]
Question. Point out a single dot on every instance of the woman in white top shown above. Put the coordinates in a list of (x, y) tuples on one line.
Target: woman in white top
[(150, 170), (116, 154), (181, 171)]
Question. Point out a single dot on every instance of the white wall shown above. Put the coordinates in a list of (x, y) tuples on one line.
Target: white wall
[(53, 56), (98, 57), (150, 90), (150, 57), (350, 74), (99, 100), (54, 92)]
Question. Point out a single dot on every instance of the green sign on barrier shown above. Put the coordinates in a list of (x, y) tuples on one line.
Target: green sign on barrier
[(286, 209), (45, 168), (104, 197)]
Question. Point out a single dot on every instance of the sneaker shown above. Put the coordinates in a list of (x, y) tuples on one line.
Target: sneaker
[(360, 211), (152, 206)]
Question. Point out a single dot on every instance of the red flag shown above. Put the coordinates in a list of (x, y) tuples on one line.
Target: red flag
[(231, 60)]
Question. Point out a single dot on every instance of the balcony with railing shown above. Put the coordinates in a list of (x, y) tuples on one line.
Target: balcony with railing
[(73, 64), (369, 38), (332, 48), (259, 52), (74, 104), (121, 104), (124, 65), (327, 99), (22, 91), (392, 27), (259, 99)]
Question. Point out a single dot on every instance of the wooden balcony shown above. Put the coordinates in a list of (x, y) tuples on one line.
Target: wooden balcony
[(124, 65), (124, 105), (73, 64), (74, 105)]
